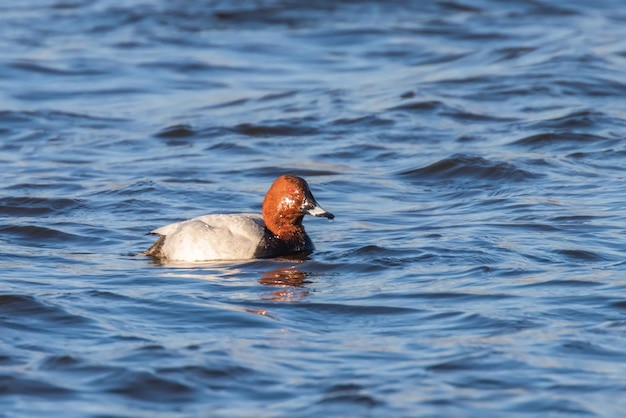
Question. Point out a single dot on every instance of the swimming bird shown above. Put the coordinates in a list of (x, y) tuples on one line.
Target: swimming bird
[(277, 232)]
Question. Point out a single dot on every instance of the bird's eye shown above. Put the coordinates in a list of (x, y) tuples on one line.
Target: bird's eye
[(291, 190)]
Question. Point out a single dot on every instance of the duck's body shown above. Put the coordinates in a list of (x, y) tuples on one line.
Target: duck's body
[(279, 231)]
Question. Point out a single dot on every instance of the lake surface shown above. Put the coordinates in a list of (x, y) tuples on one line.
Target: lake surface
[(473, 153)]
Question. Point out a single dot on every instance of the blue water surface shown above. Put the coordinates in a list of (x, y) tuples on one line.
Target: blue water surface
[(473, 153)]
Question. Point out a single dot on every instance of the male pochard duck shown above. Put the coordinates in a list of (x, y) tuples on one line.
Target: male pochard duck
[(277, 232)]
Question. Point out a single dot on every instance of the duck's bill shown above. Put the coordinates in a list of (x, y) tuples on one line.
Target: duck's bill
[(319, 211), (310, 207)]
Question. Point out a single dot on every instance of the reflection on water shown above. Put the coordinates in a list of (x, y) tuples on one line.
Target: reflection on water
[(290, 280), (286, 277)]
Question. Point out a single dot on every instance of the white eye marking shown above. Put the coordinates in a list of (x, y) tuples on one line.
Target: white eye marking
[(286, 203)]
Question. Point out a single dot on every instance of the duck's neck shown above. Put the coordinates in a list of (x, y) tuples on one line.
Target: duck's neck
[(286, 230)]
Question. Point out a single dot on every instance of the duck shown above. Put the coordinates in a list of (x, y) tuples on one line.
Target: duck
[(276, 232)]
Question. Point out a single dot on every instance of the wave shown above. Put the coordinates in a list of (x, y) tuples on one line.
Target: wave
[(467, 167), (23, 206)]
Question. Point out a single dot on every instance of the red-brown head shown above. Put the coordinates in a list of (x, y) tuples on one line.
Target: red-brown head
[(286, 203)]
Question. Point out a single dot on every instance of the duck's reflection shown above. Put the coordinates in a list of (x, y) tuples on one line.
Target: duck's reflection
[(289, 279), (285, 276)]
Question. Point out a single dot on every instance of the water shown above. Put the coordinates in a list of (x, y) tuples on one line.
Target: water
[(473, 154)]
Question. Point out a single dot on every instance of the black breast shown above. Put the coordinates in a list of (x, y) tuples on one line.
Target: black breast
[(272, 246)]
